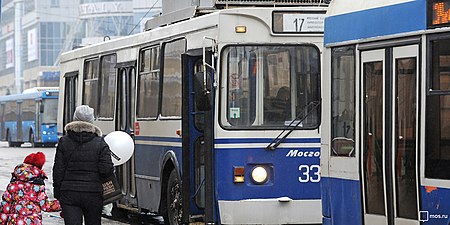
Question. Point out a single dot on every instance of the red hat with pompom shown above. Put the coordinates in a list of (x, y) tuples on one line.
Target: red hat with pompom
[(36, 159)]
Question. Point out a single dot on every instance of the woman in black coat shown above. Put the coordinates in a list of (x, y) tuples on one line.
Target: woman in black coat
[(82, 159)]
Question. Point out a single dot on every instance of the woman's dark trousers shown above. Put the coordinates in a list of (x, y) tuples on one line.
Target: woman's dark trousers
[(76, 204)]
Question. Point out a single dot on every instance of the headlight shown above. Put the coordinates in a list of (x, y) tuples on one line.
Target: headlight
[(44, 132), (259, 174)]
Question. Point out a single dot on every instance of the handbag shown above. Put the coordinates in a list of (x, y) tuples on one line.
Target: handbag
[(111, 190)]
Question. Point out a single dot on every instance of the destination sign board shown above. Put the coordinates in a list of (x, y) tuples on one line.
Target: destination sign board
[(298, 22)]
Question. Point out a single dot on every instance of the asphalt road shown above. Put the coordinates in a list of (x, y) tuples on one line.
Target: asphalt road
[(10, 157)]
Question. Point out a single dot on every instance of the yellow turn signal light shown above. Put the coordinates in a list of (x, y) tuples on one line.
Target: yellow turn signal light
[(239, 173)]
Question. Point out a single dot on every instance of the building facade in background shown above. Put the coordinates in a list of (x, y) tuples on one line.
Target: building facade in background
[(46, 28)]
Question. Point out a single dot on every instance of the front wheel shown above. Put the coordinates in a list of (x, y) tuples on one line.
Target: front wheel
[(174, 208)]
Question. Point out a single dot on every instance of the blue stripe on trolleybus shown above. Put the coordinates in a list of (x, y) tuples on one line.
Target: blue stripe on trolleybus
[(375, 22), (230, 140)]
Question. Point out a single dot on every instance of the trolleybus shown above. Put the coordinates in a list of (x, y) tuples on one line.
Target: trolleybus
[(29, 117), (223, 108), (386, 118)]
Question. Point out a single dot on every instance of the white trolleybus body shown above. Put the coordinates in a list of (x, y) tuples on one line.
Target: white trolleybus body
[(237, 144), (385, 137)]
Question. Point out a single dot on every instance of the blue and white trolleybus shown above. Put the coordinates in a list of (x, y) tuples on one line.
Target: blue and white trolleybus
[(386, 113), (223, 108)]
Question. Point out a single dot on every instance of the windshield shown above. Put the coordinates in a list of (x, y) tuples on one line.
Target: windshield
[(50, 111), (268, 86)]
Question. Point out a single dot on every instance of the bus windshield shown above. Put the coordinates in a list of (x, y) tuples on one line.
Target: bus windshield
[(50, 111), (270, 86)]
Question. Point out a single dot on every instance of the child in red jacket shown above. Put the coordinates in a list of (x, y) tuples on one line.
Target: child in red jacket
[(25, 196)]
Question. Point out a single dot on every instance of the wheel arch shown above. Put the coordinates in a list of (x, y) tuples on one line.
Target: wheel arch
[(169, 163)]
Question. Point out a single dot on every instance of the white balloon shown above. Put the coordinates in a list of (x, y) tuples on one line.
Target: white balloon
[(121, 145)]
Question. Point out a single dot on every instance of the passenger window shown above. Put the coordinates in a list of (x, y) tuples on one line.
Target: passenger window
[(28, 110), (108, 78), (10, 111), (343, 102), (148, 83), (90, 84), (437, 155), (171, 93)]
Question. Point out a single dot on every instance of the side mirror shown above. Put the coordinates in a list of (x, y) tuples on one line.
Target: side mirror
[(41, 107), (202, 94)]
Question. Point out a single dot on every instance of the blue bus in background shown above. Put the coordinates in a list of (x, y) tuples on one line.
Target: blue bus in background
[(29, 117)]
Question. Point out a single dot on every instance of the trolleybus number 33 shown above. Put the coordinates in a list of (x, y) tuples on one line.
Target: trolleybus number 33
[(309, 173)]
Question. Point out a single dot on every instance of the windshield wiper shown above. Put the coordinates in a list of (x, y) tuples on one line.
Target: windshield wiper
[(291, 127)]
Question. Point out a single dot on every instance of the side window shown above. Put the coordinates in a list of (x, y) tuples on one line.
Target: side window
[(28, 110), (148, 83), (437, 136), (90, 84), (108, 78), (171, 93), (70, 88), (10, 111), (343, 101)]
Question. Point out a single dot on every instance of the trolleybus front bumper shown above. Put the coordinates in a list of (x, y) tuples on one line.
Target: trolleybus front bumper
[(270, 211)]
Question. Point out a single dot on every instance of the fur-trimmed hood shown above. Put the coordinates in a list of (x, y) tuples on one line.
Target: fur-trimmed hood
[(81, 131), (81, 126)]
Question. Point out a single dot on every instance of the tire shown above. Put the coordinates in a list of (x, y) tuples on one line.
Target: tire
[(32, 139), (174, 200), (8, 138), (118, 214)]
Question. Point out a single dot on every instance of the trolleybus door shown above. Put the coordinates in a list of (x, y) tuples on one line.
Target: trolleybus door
[(197, 140), (37, 120), (19, 123), (126, 91), (389, 134)]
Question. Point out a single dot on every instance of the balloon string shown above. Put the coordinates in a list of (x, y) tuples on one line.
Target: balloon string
[(115, 156)]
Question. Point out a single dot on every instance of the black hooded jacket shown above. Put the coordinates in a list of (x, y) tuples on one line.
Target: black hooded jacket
[(82, 159)]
